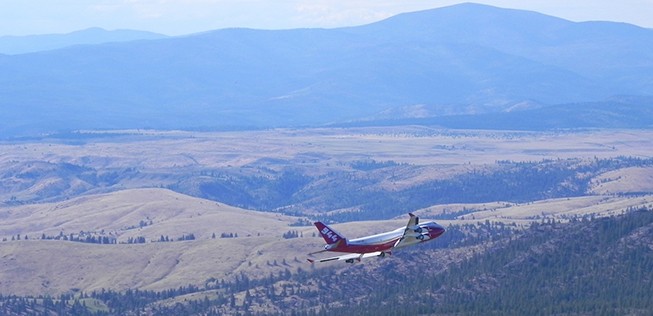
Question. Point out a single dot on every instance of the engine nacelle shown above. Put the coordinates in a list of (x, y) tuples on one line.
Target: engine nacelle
[(424, 236), (416, 229)]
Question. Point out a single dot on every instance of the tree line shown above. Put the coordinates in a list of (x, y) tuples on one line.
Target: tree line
[(598, 266), (292, 191)]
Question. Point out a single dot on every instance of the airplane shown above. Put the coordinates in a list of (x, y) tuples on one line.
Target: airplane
[(378, 245)]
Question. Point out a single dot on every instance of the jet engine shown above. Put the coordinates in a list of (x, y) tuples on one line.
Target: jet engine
[(424, 236), (417, 229)]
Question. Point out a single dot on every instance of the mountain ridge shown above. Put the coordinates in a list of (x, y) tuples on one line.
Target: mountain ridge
[(13, 45), (308, 77)]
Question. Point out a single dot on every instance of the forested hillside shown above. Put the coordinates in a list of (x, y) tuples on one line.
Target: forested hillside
[(597, 267), (357, 188), (335, 174)]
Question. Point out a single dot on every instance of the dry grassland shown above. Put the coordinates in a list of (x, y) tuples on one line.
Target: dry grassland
[(559, 209), (415, 145), (627, 180), (120, 213), (159, 159), (49, 267)]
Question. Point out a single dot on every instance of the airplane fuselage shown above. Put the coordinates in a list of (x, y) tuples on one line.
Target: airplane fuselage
[(376, 245), (387, 240)]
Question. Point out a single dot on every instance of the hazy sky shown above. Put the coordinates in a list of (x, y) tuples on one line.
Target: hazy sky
[(176, 17)]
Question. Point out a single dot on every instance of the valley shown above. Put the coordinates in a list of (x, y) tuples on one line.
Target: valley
[(206, 164), (125, 211)]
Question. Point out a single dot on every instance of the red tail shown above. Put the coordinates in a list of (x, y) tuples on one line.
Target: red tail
[(329, 235)]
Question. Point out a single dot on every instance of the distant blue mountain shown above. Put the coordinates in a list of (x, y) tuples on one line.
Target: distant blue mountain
[(12, 45), (463, 59), (617, 112)]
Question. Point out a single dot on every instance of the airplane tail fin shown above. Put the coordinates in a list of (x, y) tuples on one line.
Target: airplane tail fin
[(330, 236)]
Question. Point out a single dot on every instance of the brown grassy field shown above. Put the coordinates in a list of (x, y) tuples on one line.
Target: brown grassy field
[(561, 209), (627, 180), (120, 213), (36, 170), (55, 266), (139, 208), (416, 145), (36, 266)]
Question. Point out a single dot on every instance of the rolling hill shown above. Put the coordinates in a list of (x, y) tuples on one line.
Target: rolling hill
[(345, 174), (235, 78), (596, 266), (56, 248), (31, 264)]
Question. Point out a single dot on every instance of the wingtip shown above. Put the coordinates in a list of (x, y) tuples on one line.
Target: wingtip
[(310, 261)]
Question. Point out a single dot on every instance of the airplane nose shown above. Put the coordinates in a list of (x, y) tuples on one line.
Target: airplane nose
[(436, 230)]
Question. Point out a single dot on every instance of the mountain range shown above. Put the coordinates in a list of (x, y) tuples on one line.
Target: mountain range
[(13, 45), (463, 59)]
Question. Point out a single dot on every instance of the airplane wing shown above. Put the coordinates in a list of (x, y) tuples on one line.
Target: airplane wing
[(409, 231), (413, 221), (350, 257)]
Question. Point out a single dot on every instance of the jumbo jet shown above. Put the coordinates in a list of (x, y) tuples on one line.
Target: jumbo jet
[(378, 245)]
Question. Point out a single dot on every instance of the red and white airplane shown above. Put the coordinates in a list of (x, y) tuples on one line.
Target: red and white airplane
[(379, 244)]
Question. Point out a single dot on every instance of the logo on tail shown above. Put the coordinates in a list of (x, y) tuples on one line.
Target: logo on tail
[(329, 235)]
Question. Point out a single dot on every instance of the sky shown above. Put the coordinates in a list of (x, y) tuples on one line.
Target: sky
[(179, 17)]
